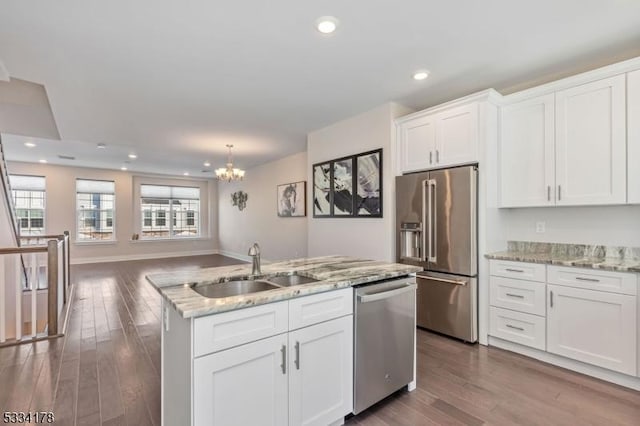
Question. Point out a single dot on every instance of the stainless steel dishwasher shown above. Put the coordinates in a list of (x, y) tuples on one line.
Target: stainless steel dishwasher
[(384, 340)]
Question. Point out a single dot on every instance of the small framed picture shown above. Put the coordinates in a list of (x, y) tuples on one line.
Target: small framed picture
[(292, 199), (369, 184), (343, 187), (322, 190)]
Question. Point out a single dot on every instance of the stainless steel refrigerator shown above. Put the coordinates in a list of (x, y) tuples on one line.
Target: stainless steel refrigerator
[(436, 222)]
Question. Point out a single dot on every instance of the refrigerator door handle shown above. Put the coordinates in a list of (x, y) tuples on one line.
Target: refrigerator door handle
[(432, 220), (426, 233)]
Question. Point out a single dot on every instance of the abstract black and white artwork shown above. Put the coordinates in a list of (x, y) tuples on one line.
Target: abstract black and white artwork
[(322, 189), (292, 199), (369, 195), (343, 187), (349, 187)]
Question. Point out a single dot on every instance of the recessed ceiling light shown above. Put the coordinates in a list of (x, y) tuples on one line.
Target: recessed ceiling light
[(42, 161), (101, 146), (327, 24), (420, 75), (186, 173), (123, 168), (133, 156), (207, 164), (29, 144)]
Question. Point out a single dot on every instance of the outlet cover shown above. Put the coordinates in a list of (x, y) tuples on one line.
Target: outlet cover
[(540, 227)]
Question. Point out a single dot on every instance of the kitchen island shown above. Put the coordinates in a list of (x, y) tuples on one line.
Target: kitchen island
[(275, 357)]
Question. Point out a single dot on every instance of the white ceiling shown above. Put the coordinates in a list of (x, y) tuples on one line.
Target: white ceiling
[(177, 80)]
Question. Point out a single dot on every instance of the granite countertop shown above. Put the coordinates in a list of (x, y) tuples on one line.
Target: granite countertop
[(610, 258), (333, 272)]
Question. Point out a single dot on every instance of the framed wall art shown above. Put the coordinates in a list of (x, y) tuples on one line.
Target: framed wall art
[(292, 199), (349, 186)]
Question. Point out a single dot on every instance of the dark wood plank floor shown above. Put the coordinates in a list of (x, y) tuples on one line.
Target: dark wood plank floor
[(106, 370)]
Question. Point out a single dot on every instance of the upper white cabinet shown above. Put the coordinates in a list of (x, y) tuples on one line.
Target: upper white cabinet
[(591, 143), (633, 135), (457, 135), (566, 148), (446, 137), (527, 157)]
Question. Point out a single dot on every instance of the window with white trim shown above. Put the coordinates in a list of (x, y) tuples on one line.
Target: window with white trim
[(95, 205), (169, 211), (28, 194)]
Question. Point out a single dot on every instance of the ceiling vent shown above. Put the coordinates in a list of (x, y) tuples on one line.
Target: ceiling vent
[(66, 157)]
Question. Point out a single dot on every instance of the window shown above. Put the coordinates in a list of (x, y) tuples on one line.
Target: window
[(180, 204), (95, 203), (28, 194)]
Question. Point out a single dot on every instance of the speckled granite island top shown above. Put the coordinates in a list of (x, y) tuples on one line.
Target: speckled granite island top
[(610, 258), (333, 272)]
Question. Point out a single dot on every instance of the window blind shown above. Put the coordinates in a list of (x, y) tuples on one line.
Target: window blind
[(27, 183), (95, 186), (170, 192)]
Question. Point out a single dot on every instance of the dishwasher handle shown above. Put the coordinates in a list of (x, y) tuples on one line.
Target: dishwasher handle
[(366, 298)]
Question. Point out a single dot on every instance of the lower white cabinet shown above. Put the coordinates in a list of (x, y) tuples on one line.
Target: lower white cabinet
[(246, 385), (321, 372), (591, 326), (518, 327)]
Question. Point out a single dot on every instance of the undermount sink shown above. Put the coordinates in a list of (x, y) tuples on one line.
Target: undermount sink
[(290, 280), (233, 288)]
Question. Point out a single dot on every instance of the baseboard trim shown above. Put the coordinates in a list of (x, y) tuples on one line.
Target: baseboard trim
[(243, 257), (145, 256), (570, 364)]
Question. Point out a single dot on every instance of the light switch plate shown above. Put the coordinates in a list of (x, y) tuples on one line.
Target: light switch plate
[(540, 227)]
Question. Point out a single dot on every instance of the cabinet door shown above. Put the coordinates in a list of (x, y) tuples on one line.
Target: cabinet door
[(591, 162), (633, 116), (321, 372), (246, 385), (595, 327), (457, 136), (417, 144), (527, 157)]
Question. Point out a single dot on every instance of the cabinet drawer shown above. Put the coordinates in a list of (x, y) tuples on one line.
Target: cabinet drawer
[(525, 329), (518, 295), (217, 332), (612, 282), (520, 270), (321, 307)]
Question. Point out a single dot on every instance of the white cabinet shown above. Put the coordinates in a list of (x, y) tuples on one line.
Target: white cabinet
[(418, 144), (633, 136), (591, 143), (321, 374), (527, 156), (440, 139), (246, 385), (567, 148), (457, 135), (595, 327)]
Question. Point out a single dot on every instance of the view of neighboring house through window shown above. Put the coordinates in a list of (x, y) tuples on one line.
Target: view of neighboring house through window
[(169, 211), (29, 198), (95, 204)]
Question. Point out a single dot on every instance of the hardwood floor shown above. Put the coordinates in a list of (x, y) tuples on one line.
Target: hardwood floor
[(106, 370)]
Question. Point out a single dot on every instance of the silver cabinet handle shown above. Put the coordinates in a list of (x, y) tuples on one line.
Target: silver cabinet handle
[(437, 156), (515, 328), (551, 299), (519, 296), (430, 157), (283, 366), (548, 192), (514, 270), (559, 192), (591, 280), (366, 298), (297, 360), (441, 280)]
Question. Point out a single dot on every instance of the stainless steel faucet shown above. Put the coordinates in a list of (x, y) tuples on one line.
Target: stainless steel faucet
[(254, 252)]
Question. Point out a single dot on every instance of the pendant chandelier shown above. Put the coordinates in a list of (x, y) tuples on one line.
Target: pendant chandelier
[(229, 173)]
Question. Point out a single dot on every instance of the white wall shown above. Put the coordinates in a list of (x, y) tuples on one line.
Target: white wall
[(367, 238), (604, 225), (279, 237), (61, 204)]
